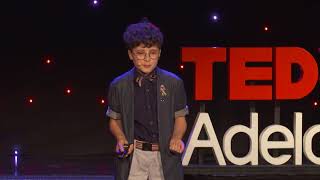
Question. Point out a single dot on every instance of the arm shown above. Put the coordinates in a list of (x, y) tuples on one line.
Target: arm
[(180, 127), (180, 124), (176, 143), (115, 126)]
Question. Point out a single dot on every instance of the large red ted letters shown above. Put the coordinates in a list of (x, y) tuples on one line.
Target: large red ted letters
[(282, 59)]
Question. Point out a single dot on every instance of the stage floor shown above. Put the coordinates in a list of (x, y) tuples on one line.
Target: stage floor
[(187, 177), (102, 167)]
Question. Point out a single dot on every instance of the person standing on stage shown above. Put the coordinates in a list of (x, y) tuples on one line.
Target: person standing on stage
[(147, 109)]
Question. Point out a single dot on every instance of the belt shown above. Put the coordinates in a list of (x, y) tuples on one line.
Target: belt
[(146, 146)]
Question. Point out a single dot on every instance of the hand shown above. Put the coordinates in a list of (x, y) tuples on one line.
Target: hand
[(120, 147), (176, 145)]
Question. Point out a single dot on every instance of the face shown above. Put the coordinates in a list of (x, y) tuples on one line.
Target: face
[(145, 58)]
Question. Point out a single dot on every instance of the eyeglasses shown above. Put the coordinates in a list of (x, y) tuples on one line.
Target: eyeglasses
[(141, 55)]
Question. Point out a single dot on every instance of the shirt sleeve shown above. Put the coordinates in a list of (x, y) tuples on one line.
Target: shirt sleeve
[(180, 100), (113, 110)]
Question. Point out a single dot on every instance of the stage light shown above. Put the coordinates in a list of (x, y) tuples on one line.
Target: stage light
[(30, 100), (68, 90), (95, 2), (315, 103), (215, 17), (266, 28), (48, 61), (102, 101), (181, 66), (16, 160)]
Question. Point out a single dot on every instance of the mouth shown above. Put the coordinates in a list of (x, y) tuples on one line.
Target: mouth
[(147, 66)]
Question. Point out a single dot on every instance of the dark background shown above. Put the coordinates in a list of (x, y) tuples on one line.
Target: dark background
[(87, 52)]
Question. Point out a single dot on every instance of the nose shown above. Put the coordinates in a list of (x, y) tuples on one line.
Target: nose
[(147, 58)]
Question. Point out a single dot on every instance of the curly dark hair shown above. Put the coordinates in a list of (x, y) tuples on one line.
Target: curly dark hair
[(143, 32)]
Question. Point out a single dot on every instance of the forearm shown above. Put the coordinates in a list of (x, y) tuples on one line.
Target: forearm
[(180, 127), (115, 126)]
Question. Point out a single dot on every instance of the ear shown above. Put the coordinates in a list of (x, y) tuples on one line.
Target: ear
[(130, 54)]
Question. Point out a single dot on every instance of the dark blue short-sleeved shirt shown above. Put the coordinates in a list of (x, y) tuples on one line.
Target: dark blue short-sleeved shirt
[(145, 111)]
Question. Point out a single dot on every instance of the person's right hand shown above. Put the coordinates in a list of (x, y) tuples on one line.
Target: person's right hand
[(120, 148)]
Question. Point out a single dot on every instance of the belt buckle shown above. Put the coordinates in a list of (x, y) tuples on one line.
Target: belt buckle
[(146, 146)]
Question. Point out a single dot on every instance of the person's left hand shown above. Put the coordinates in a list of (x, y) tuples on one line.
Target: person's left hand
[(176, 145)]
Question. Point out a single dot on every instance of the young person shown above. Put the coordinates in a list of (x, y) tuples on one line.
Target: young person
[(147, 109)]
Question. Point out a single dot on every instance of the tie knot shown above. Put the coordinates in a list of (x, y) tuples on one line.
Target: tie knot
[(141, 77)]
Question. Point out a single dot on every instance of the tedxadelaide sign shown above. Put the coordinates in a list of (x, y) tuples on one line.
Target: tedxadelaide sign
[(283, 88)]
